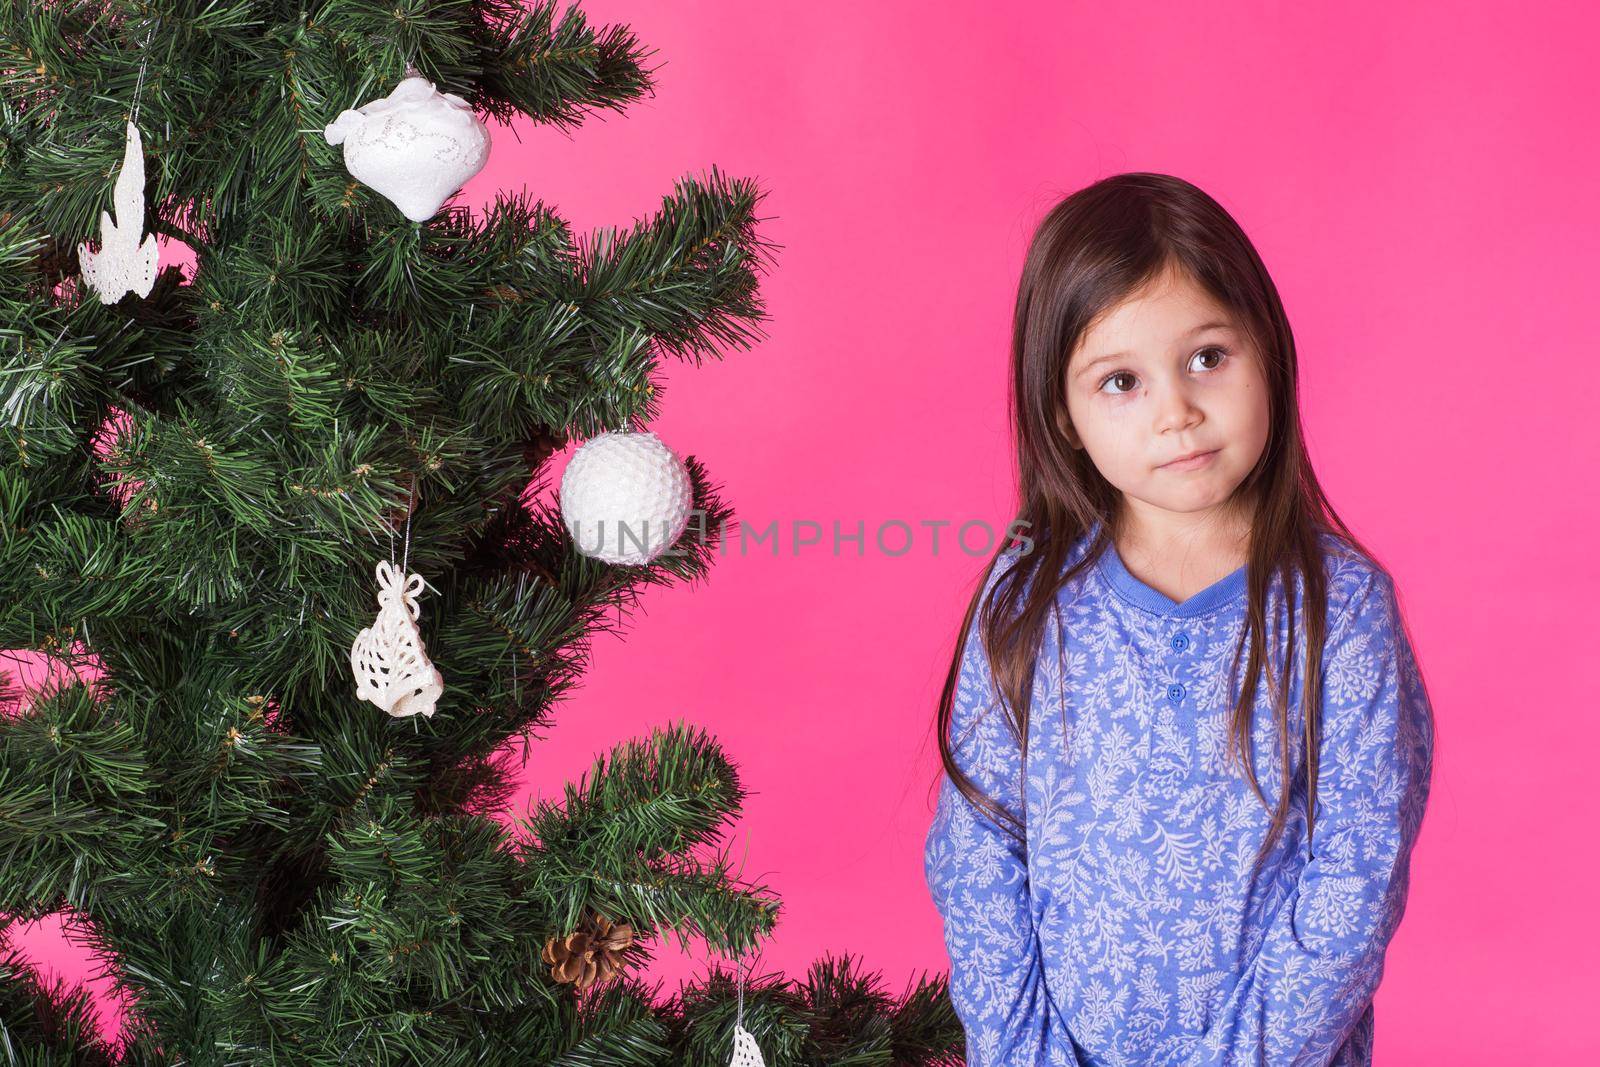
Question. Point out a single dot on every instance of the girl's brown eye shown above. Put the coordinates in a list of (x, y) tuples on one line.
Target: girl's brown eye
[(1113, 377)]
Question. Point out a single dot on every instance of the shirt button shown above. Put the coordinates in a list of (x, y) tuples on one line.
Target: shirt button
[(1180, 641), (1175, 692)]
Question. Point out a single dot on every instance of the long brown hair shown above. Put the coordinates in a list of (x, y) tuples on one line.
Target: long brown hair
[(1092, 250)]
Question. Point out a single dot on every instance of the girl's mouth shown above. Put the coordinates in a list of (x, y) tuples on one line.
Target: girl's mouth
[(1192, 463)]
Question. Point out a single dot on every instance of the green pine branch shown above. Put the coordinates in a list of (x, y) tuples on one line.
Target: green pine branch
[(46, 1024), (72, 778), (623, 843)]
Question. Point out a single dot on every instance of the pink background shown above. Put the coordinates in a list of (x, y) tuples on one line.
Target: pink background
[(1420, 181)]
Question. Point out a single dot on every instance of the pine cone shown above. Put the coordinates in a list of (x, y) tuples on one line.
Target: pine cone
[(591, 954)]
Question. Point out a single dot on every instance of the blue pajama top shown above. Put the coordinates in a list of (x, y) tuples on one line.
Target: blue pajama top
[(1128, 929)]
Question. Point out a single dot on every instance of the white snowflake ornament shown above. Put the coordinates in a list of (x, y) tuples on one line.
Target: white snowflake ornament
[(416, 146), (123, 264), (389, 659), (625, 497), (746, 1053)]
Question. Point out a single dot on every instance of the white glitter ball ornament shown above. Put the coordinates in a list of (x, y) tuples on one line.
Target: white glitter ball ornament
[(123, 264), (625, 497), (388, 658), (416, 146)]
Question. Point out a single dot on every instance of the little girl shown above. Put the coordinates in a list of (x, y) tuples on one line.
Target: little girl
[(1137, 729)]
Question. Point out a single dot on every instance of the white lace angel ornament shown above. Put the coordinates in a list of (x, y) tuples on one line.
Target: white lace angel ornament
[(123, 264), (390, 662)]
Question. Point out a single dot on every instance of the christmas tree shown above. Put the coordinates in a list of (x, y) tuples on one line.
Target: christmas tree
[(197, 477)]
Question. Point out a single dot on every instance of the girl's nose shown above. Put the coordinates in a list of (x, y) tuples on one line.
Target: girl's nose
[(1176, 408)]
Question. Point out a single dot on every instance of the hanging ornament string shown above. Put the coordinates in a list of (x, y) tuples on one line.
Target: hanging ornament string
[(746, 1053), (144, 60), (405, 50), (738, 1011), (405, 554), (404, 562), (411, 504)]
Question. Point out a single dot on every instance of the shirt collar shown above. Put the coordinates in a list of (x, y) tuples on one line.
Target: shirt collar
[(1122, 581)]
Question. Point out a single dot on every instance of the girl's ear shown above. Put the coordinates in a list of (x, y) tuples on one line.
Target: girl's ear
[(1064, 424)]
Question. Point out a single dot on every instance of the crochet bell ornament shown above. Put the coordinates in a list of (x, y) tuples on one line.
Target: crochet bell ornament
[(746, 1053), (416, 146), (388, 658)]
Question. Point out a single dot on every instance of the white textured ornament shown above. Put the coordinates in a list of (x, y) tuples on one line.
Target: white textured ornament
[(625, 497), (416, 146), (746, 1053), (123, 264), (389, 659)]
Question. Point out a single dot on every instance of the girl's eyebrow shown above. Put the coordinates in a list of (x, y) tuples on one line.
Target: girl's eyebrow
[(1124, 355)]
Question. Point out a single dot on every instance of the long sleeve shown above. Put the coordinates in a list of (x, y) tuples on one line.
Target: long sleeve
[(978, 877), (1318, 965)]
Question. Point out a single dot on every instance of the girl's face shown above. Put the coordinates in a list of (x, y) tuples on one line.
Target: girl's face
[(1166, 373)]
